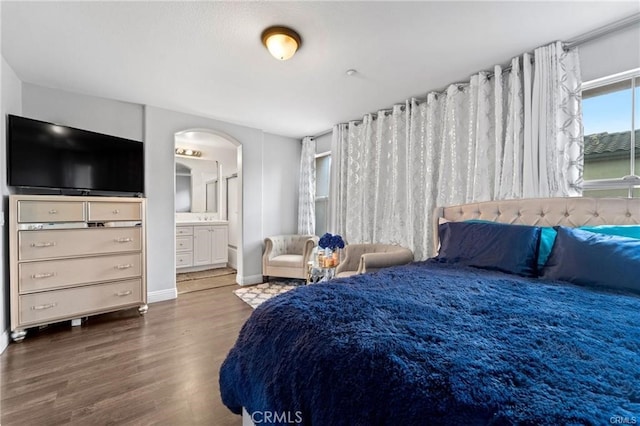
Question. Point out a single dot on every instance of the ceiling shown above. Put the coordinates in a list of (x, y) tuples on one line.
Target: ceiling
[(206, 58)]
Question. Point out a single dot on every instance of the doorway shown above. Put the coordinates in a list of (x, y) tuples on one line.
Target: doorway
[(208, 216)]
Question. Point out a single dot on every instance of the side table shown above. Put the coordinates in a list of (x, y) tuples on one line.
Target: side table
[(318, 274)]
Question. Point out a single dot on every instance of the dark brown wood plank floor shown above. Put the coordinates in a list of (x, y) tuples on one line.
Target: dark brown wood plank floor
[(124, 369)]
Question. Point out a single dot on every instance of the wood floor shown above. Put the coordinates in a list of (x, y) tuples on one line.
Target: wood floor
[(124, 369)]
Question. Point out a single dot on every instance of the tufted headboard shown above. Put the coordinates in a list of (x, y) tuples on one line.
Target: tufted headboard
[(571, 211)]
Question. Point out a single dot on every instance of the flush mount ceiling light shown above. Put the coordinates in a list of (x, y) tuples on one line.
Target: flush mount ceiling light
[(188, 152), (282, 42)]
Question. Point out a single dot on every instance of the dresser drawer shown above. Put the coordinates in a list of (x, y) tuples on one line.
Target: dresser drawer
[(34, 245), (49, 274), (184, 243), (184, 230), (49, 306), (105, 211), (50, 211), (184, 259)]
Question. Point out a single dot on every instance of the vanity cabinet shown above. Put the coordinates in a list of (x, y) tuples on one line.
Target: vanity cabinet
[(184, 246), (202, 246), (71, 257), (210, 245)]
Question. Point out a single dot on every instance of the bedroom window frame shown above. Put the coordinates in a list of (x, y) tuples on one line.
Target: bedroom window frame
[(630, 182), (324, 226)]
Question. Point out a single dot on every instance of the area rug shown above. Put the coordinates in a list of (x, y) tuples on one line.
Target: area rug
[(256, 294)]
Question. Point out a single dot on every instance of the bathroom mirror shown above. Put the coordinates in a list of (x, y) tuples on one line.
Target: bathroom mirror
[(212, 191), (197, 185), (183, 188)]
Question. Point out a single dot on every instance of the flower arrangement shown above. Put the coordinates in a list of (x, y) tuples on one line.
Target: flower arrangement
[(332, 242)]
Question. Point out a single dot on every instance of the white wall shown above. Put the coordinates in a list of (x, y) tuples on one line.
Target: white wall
[(228, 158), (100, 115), (617, 52), (281, 166), (157, 128), (10, 103), (160, 128)]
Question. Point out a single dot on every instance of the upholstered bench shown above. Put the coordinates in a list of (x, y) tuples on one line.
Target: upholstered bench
[(362, 258)]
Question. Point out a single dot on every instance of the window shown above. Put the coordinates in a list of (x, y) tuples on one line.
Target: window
[(323, 172), (611, 119)]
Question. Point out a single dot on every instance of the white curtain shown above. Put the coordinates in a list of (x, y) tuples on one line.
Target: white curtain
[(337, 192), (465, 144), (555, 146), (307, 188)]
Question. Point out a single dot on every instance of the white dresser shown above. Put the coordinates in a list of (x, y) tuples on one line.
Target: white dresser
[(71, 257), (201, 245)]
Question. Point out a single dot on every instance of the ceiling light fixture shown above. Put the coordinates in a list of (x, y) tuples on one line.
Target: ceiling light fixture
[(188, 152), (282, 42)]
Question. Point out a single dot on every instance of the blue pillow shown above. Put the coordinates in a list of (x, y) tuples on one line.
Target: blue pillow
[(506, 248), (591, 259), (547, 237), (631, 231)]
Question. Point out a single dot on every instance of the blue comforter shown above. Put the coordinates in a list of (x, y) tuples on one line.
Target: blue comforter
[(429, 343)]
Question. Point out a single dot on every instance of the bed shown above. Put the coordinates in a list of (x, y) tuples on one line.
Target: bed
[(458, 339)]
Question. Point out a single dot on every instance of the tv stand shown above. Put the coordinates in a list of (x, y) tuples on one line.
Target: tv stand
[(74, 256)]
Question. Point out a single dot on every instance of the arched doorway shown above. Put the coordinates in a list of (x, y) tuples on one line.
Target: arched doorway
[(209, 174)]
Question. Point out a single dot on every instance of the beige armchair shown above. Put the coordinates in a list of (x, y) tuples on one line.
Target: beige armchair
[(287, 256), (361, 258)]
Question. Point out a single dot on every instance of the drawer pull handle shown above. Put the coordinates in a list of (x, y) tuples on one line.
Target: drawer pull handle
[(123, 293), (45, 306), (44, 244), (116, 211), (44, 275), (123, 240), (53, 211), (125, 266)]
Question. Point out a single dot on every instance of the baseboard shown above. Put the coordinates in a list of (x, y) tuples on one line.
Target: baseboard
[(162, 295), (4, 341), (250, 280)]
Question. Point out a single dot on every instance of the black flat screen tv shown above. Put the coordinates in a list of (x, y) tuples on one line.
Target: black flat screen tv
[(47, 155)]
